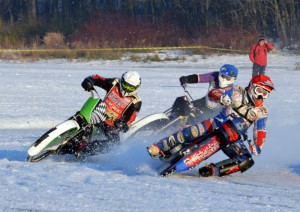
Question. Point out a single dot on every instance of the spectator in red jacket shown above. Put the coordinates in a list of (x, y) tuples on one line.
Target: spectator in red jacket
[(258, 56)]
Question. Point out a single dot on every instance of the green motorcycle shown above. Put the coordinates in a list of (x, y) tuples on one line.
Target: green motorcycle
[(67, 134)]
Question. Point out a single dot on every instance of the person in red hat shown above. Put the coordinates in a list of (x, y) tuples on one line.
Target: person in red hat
[(258, 55)]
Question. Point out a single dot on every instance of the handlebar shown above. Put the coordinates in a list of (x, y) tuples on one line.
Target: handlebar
[(187, 92), (92, 91), (188, 95)]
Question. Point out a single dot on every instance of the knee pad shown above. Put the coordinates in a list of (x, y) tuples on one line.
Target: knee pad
[(229, 132), (190, 133)]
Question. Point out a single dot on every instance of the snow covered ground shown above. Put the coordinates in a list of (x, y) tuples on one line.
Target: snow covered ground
[(36, 96)]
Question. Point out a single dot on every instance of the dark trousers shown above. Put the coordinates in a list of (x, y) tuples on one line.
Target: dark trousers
[(257, 70)]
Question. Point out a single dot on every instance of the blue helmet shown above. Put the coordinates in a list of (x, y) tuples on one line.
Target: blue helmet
[(229, 70), (227, 75)]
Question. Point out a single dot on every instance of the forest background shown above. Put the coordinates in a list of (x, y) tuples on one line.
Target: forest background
[(71, 27)]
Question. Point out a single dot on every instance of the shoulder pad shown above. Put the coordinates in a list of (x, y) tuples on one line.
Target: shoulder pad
[(136, 98), (115, 81), (238, 88), (264, 110)]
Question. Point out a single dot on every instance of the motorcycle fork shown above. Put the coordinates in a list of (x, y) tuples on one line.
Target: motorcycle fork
[(84, 127)]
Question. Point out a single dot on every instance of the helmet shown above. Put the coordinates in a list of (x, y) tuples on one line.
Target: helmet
[(227, 75), (259, 89), (130, 81)]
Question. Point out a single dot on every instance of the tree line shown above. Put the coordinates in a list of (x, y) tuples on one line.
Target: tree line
[(195, 18)]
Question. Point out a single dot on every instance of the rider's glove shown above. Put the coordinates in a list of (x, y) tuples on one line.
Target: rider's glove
[(215, 95), (87, 84), (183, 80), (255, 150), (121, 124), (225, 100)]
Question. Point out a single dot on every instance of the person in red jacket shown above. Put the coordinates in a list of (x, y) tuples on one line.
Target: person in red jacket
[(258, 56)]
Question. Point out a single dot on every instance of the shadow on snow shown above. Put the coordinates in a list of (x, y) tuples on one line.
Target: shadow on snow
[(13, 155), (296, 169)]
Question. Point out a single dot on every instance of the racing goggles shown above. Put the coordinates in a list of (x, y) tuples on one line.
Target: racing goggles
[(226, 77), (127, 87), (261, 91)]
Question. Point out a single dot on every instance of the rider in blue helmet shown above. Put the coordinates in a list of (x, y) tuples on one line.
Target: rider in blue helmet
[(227, 75), (220, 81)]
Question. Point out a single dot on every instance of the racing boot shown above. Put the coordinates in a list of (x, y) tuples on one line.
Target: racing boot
[(208, 170), (153, 151)]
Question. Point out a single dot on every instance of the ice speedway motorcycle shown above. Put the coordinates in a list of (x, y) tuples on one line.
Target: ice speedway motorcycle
[(67, 134), (185, 110)]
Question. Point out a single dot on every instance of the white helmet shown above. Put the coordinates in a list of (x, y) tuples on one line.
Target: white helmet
[(130, 81)]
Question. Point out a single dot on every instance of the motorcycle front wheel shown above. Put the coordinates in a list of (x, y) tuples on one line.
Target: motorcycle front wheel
[(52, 140)]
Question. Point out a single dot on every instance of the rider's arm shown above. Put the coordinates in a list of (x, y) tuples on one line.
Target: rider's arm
[(199, 78), (130, 114), (252, 54), (105, 83), (208, 77), (259, 132), (269, 46)]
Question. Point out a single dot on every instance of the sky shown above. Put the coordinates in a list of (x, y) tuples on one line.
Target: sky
[(36, 96)]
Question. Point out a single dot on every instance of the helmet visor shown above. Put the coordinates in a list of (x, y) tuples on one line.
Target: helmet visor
[(226, 77), (261, 91), (127, 87)]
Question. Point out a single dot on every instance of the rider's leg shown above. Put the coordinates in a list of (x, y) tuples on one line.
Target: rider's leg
[(183, 137), (208, 145), (240, 160), (107, 137)]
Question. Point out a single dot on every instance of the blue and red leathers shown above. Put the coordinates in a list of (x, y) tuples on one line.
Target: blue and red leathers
[(241, 113)]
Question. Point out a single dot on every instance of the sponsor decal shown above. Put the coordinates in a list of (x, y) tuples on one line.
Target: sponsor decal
[(113, 106), (111, 114), (203, 152), (233, 169), (194, 131), (116, 99), (180, 137)]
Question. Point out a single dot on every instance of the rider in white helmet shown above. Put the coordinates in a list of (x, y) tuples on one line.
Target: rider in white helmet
[(118, 109)]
